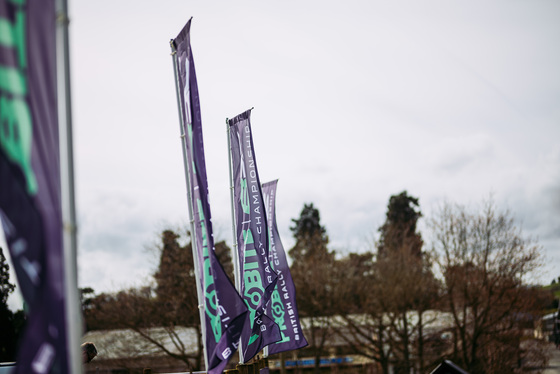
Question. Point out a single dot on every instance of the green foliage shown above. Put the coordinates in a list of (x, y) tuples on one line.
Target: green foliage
[(401, 209), (553, 290), (176, 282), (312, 273), (6, 288), (554, 287), (313, 263), (11, 324), (311, 237), (308, 224), (398, 233), (11, 327)]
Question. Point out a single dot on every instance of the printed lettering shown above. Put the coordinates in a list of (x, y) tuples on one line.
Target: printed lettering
[(210, 296), (277, 309), (16, 126), (226, 353), (253, 290)]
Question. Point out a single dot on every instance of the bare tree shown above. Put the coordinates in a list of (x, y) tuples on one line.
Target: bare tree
[(160, 313), (362, 322), (384, 301), (139, 311), (485, 261)]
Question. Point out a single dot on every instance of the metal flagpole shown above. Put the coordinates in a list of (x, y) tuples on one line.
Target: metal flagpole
[(73, 313), (189, 199), (236, 269), (265, 351)]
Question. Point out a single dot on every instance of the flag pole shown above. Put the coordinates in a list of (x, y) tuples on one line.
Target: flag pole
[(236, 269), (233, 226), (68, 207), (189, 200)]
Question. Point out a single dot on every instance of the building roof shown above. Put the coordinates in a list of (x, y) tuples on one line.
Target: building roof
[(112, 344)]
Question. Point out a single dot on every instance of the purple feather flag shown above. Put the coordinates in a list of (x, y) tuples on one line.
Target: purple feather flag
[(30, 190), (257, 276), (283, 307), (225, 311)]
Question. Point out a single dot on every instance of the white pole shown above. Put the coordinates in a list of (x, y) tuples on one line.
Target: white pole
[(72, 304), (236, 268), (199, 291)]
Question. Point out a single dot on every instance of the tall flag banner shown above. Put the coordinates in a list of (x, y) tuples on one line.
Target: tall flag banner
[(225, 311), (257, 276), (30, 180), (283, 307)]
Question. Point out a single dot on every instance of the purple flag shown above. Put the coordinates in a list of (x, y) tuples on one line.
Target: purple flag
[(30, 189), (225, 311), (257, 276), (282, 308)]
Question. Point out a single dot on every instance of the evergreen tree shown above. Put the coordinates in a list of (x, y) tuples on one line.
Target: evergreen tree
[(176, 282), (399, 230), (6, 288), (10, 323), (311, 237), (312, 271), (405, 282)]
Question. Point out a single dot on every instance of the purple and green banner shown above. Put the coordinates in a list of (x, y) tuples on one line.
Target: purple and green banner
[(257, 275), (282, 308), (30, 186), (225, 311)]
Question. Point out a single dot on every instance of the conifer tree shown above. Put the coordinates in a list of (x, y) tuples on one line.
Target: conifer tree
[(8, 329), (312, 272)]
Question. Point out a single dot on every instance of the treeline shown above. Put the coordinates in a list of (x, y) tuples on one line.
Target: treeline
[(406, 305), (409, 304), (170, 302)]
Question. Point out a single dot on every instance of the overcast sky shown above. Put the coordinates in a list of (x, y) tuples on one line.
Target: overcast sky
[(354, 101)]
